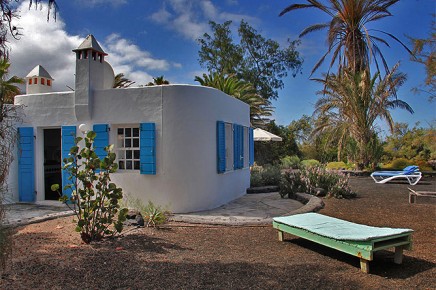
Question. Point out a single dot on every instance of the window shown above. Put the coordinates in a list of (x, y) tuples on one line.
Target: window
[(30, 81), (246, 145), (128, 149), (35, 80), (229, 146), (235, 147), (42, 81), (49, 83)]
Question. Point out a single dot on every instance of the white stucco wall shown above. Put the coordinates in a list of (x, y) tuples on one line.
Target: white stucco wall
[(185, 117)]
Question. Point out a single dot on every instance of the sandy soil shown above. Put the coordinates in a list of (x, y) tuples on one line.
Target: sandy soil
[(50, 255)]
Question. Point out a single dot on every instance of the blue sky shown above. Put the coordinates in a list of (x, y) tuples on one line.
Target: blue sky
[(145, 39)]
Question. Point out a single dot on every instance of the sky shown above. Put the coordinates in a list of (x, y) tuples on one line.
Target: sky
[(146, 39)]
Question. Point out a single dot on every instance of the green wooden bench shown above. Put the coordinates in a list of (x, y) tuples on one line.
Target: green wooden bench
[(355, 239)]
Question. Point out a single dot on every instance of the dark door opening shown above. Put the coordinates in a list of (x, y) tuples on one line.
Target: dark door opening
[(52, 162)]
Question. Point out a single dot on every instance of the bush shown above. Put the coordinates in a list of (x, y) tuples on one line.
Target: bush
[(155, 215), (340, 165), (288, 162), (264, 176), (423, 165), (310, 163), (336, 165), (256, 176), (400, 163), (309, 179), (94, 200)]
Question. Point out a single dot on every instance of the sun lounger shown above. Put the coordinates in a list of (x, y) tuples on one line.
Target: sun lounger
[(423, 195), (355, 239), (411, 173)]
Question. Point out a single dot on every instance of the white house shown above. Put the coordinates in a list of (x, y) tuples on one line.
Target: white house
[(181, 146)]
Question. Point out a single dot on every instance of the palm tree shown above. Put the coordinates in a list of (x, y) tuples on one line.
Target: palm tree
[(351, 103), (8, 87), (158, 81), (121, 82), (260, 108), (351, 43)]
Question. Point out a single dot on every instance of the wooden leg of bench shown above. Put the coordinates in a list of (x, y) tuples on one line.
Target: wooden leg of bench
[(280, 236), (412, 198), (364, 266), (398, 258)]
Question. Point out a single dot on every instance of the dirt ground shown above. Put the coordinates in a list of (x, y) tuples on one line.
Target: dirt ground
[(50, 255)]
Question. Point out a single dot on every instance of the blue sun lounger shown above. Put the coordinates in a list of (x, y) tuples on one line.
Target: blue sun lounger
[(411, 173), (355, 239)]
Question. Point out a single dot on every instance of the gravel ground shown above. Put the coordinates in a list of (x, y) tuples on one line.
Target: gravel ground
[(50, 255)]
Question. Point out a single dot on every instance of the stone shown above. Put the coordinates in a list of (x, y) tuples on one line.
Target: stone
[(139, 220), (132, 213), (320, 192)]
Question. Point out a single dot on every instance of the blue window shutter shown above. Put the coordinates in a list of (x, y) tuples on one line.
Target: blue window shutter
[(26, 161), (251, 146), (148, 148), (241, 146), (237, 146), (68, 137), (221, 146), (101, 140)]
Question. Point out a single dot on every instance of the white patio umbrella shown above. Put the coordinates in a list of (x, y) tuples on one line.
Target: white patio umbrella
[(262, 135)]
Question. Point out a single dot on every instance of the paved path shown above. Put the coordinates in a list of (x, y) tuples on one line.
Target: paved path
[(248, 209)]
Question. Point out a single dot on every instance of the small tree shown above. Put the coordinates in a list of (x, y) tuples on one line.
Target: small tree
[(94, 199)]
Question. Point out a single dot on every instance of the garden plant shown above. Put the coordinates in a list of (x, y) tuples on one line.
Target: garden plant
[(94, 199)]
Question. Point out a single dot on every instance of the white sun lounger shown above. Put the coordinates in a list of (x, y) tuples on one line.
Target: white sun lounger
[(411, 173), (355, 239)]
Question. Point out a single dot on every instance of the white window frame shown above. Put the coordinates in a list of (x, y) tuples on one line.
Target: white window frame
[(229, 146), (128, 147)]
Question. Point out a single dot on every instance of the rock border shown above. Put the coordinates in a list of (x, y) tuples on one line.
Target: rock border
[(311, 204)]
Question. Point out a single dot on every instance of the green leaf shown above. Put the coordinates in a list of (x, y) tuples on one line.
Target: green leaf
[(54, 187), (91, 135)]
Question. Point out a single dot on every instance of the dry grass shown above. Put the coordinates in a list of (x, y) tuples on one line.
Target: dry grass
[(49, 255)]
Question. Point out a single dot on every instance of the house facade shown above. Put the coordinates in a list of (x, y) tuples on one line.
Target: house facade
[(187, 148)]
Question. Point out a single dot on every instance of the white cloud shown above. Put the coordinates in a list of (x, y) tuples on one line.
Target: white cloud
[(48, 44), (190, 18)]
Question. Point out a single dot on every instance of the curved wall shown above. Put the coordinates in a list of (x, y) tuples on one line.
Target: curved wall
[(185, 116)]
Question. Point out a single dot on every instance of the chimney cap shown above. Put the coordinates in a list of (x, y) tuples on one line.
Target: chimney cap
[(90, 43)]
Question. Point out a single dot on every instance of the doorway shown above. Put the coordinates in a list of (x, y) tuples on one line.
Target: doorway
[(52, 162)]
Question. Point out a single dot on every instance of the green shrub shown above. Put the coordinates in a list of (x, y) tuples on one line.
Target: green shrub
[(94, 200), (256, 176), (336, 165), (423, 165), (308, 179), (310, 163), (340, 165), (399, 164), (271, 174), (288, 162), (264, 176), (155, 215)]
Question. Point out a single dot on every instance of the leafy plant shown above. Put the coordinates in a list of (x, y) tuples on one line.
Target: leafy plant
[(256, 176), (309, 179), (94, 200), (310, 163), (339, 165), (265, 175), (399, 164), (155, 215), (290, 162)]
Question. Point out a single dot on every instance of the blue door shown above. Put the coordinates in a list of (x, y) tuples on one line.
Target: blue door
[(26, 162)]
